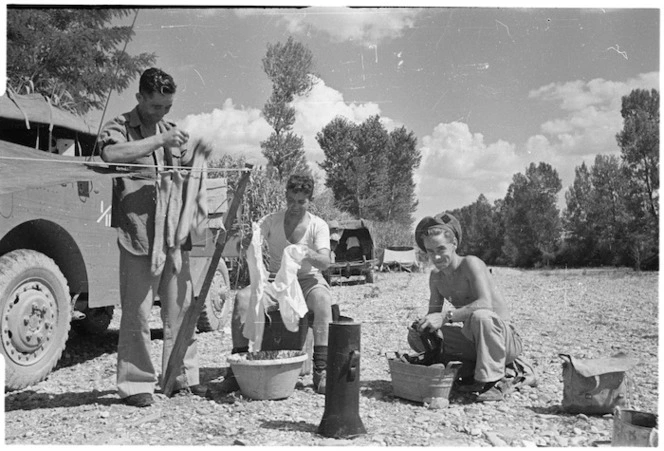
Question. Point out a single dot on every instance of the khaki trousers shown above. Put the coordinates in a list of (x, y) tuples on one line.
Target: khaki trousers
[(483, 338), (138, 287)]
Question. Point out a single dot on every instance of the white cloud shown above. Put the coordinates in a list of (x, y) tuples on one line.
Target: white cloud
[(320, 106), (239, 131), (366, 25), (232, 131), (457, 166)]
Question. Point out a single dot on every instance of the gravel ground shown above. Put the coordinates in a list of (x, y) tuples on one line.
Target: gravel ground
[(583, 313)]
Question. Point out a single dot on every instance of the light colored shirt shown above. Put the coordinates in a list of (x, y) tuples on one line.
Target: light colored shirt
[(316, 237)]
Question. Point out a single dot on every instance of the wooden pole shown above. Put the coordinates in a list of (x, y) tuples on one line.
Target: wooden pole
[(187, 328)]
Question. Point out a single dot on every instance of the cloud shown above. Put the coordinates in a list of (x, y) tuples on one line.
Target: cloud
[(319, 107), (239, 131), (457, 166), (591, 113), (365, 25), (232, 131)]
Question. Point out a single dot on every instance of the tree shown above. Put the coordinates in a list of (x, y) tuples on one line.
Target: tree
[(403, 158), (288, 66), (532, 222), (70, 55), (608, 218), (580, 239), (639, 142), (369, 170), (481, 236)]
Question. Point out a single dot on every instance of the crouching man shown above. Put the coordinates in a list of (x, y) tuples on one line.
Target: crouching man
[(294, 225), (476, 329)]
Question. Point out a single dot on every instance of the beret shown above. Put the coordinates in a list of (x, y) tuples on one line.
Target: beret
[(442, 220)]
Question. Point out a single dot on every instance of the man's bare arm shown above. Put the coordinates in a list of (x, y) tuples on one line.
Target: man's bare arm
[(129, 151), (319, 259)]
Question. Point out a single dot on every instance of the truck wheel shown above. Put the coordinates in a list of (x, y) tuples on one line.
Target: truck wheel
[(370, 276), (216, 306), (35, 316), (96, 321)]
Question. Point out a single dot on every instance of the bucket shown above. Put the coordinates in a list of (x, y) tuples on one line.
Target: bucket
[(422, 383), (634, 428), (267, 374)]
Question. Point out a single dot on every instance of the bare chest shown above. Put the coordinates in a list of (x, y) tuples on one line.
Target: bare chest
[(295, 229), (456, 289)]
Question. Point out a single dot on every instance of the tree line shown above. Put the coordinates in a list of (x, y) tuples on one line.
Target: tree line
[(611, 217), (612, 207)]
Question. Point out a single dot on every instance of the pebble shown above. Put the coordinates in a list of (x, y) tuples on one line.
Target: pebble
[(494, 439), (528, 444)]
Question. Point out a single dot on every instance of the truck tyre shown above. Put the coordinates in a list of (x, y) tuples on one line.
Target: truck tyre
[(96, 321), (370, 276), (35, 316), (216, 306)]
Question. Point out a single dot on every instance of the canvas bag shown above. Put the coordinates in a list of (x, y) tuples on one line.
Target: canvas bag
[(595, 386)]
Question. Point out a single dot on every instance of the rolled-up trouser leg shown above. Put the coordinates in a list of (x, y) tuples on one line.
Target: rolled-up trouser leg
[(496, 344)]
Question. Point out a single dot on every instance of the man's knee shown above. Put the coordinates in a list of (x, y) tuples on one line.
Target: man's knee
[(319, 301), (482, 317)]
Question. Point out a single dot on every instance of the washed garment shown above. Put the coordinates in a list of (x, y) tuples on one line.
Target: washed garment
[(181, 207), (284, 291)]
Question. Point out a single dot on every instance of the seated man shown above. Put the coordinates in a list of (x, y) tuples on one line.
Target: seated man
[(477, 328), (295, 225)]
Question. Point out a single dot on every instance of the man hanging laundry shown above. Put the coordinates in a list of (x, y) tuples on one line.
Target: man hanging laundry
[(147, 266)]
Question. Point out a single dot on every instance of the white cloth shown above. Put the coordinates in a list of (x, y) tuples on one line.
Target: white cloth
[(285, 290)]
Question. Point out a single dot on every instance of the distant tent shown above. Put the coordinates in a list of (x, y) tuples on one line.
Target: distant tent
[(402, 258)]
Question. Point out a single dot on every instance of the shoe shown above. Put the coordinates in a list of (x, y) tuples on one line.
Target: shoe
[(139, 400), (320, 381), (198, 390), (474, 386), (491, 394)]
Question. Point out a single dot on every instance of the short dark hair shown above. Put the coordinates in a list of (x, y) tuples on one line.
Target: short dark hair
[(156, 80), (301, 183)]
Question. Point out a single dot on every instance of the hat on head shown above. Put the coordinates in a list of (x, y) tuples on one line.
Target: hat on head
[(441, 220)]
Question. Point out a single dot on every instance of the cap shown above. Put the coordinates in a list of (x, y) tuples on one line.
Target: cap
[(443, 220)]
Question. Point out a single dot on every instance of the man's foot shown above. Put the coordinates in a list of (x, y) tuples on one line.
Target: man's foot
[(198, 390), (472, 386), (139, 400), (320, 381), (491, 392)]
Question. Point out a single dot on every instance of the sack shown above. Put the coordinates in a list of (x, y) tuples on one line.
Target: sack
[(595, 386)]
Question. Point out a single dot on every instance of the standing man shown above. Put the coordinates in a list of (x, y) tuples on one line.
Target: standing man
[(476, 329), (143, 137), (295, 225)]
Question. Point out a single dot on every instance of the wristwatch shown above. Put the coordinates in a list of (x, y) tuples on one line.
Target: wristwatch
[(448, 316)]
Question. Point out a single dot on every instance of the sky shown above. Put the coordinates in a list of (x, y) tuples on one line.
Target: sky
[(486, 90)]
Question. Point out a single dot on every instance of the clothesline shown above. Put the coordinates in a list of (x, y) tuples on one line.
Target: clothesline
[(125, 165)]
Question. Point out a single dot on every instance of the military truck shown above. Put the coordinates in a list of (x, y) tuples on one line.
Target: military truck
[(58, 252)]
